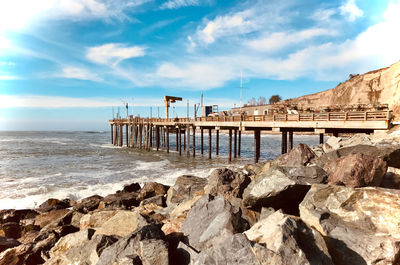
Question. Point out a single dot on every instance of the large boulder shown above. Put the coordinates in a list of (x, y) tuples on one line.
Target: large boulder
[(70, 241), (225, 181), (46, 218), (145, 246), (291, 239), (84, 252), (88, 204), (121, 224), (185, 188), (120, 200), (6, 243), (53, 204), (356, 170), (282, 187), (360, 226), (151, 189), (227, 248), (390, 153), (300, 155), (95, 219), (208, 218)]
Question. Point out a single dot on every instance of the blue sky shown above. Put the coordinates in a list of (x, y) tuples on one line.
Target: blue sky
[(65, 63)]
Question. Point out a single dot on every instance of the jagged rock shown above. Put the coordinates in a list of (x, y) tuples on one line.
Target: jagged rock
[(185, 188), (6, 243), (19, 255), (225, 249), (121, 200), (151, 189), (225, 181), (178, 215), (95, 219), (282, 188), (88, 204), (356, 170), (46, 218), (121, 224), (207, 219), (70, 241), (360, 226), (389, 153), (265, 212), (154, 213), (291, 239), (134, 187), (16, 216), (157, 200), (53, 204), (300, 155), (145, 246), (391, 180), (11, 230), (87, 253)]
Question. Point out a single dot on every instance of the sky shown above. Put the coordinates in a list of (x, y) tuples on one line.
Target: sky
[(71, 64)]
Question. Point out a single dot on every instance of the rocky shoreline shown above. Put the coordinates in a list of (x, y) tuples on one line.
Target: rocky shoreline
[(336, 203)]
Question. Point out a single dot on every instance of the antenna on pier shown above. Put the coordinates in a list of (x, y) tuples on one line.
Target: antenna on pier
[(132, 108), (241, 88), (113, 111), (126, 106)]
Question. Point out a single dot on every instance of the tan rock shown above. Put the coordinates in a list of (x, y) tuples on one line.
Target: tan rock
[(70, 241), (44, 219), (121, 224), (95, 219)]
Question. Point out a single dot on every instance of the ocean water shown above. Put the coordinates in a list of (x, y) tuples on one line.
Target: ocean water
[(35, 166)]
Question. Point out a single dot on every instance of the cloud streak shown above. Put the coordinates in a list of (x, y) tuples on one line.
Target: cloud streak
[(113, 53)]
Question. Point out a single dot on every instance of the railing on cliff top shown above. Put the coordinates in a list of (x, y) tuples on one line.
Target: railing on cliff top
[(325, 116)]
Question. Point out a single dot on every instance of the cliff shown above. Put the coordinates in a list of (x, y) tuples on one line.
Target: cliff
[(375, 87)]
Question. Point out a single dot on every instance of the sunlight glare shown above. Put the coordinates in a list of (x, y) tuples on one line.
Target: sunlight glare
[(17, 14)]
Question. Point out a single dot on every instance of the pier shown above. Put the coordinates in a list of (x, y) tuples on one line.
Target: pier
[(147, 133)]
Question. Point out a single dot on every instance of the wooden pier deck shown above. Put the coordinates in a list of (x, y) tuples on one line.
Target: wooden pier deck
[(154, 132)]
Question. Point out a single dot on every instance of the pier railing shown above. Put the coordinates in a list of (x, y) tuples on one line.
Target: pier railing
[(323, 116)]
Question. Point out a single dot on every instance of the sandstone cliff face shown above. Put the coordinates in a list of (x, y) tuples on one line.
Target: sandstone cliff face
[(380, 86)]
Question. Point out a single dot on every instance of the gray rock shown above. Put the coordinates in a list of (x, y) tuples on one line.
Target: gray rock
[(208, 218), (146, 246), (356, 170), (185, 188), (360, 226), (225, 181), (282, 188), (292, 240), (227, 249), (157, 200)]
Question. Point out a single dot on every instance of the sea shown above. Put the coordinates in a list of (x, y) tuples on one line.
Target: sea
[(36, 166)]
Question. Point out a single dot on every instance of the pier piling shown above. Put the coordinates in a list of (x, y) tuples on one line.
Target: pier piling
[(217, 142), (188, 140), (194, 141), (112, 134), (235, 144), (167, 138), (239, 142), (209, 143), (230, 146), (257, 141), (290, 140), (284, 142), (321, 138), (202, 141)]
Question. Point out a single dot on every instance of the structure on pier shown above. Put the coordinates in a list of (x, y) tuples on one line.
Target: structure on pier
[(146, 133)]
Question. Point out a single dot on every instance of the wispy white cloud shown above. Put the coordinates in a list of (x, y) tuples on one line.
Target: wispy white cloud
[(10, 77), (262, 15), (175, 4), (113, 53), (79, 73), (280, 40), (323, 14), (351, 10)]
